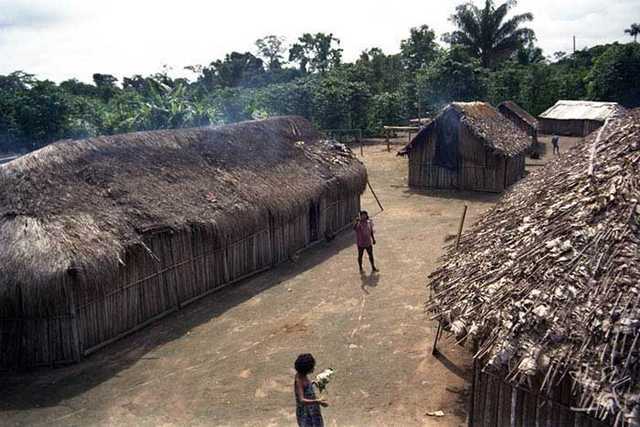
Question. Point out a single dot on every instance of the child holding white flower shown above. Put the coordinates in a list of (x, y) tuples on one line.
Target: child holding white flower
[(308, 411)]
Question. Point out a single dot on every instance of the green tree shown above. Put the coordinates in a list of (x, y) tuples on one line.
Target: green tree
[(382, 73), (529, 54), (271, 49), (42, 114), (292, 98), (614, 76), (78, 88), (633, 31), (237, 69), (419, 49), (505, 83), (454, 76), (486, 34), (316, 53), (386, 109), (106, 84), (539, 88)]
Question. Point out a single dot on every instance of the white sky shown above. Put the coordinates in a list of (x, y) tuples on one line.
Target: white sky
[(61, 39)]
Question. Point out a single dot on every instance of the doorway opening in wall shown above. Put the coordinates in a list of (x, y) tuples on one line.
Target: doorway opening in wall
[(314, 221)]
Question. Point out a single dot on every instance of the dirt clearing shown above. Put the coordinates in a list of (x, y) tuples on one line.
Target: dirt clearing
[(227, 359)]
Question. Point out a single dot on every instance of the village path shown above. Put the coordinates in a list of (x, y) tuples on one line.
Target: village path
[(227, 359)]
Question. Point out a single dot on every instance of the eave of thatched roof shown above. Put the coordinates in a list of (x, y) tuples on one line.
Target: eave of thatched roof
[(418, 137), (82, 203), (520, 112), (548, 282), (484, 122)]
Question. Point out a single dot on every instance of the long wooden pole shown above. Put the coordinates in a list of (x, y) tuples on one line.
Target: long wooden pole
[(464, 214), (374, 195), (434, 349)]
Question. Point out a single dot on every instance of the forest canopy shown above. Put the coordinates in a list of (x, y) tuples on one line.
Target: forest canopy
[(491, 56)]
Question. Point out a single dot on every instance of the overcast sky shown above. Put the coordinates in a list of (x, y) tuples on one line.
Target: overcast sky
[(61, 39)]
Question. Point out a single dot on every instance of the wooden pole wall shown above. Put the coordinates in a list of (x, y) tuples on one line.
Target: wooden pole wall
[(162, 275)]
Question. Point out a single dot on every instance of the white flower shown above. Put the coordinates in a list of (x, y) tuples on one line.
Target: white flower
[(323, 379)]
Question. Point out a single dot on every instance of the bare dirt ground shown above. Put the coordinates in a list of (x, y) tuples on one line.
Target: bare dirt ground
[(227, 359)]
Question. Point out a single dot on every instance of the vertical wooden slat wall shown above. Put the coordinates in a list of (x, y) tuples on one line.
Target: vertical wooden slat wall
[(478, 168), (569, 127), (499, 404), (162, 274)]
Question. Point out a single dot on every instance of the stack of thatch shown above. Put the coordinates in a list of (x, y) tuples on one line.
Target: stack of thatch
[(547, 284)]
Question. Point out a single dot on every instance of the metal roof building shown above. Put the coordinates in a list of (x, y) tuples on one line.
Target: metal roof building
[(576, 118)]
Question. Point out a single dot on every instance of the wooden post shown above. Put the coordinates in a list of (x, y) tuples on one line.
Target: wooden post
[(464, 214), (472, 396), (374, 195), (386, 138), (434, 349)]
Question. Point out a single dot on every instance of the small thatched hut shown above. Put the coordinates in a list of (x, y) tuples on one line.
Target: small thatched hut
[(520, 117), (468, 146), (576, 118), (545, 290), (102, 236)]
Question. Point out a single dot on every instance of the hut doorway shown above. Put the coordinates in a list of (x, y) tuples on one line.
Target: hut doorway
[(314, 221)]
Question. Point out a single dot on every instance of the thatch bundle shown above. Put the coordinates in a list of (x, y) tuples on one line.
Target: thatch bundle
[(546, 286), (152, 220)]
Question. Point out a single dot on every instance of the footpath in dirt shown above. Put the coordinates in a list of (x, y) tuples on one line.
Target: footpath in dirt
[(228, 359)]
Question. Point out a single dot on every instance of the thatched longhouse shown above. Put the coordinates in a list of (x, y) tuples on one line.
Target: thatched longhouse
[(101, 236), (545, 290), (468, 146)]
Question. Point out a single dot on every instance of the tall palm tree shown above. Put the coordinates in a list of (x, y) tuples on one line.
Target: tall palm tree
[(487, 34), (633, 31)]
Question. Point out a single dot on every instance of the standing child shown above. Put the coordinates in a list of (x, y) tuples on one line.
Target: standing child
[(555, 141), (365, 239), (308, 411)]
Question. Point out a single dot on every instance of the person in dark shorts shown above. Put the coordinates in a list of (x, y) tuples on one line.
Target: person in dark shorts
[(365, 239), (555, 141), (308, 412)]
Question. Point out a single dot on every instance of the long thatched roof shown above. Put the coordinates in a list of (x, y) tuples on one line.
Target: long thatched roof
[(80, 204), (485, 123), (547, 284)]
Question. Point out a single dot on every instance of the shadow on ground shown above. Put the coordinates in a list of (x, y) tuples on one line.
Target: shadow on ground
[(369, 281), (45, 387), (471, 196)]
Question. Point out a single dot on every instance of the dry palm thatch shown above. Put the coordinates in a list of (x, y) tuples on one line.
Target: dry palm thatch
[(485, 123), (79, 219), (547, 284), (520, 112), (492, 128)]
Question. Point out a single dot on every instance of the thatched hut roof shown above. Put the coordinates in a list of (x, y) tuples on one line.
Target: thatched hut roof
[(77, 205), (547, 283), (520, 112), (484, 122)]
